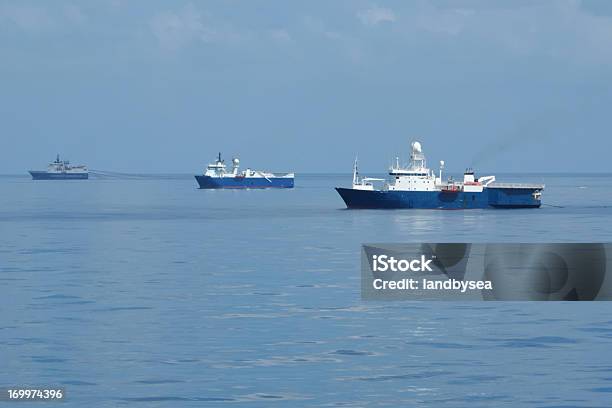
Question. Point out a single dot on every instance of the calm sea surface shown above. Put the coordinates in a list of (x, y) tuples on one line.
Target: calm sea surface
[(146, 291)]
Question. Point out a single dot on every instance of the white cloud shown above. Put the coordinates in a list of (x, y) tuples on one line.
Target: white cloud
[(348, 44), (27, 18), (281, 36), (560, 30), (36, 19), (187, 26), (174, 30), (376, 15)]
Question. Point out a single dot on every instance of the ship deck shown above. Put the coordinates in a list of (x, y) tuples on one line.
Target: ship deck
[(531, 186)]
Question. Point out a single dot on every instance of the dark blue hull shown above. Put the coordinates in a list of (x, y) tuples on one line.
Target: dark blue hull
[(489, 198), (43, 175), (243, 182)]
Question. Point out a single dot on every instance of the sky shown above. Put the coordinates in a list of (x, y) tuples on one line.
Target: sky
[(162, 86)]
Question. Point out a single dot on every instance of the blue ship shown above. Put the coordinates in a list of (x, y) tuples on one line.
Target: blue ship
[(61, 170), (217, 177), (416, 186)]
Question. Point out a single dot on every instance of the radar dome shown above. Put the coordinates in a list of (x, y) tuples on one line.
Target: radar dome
[(236, 161), (416, 147)]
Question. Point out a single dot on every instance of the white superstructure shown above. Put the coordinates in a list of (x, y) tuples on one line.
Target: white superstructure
[(218, 169), (63, 166), (416, 176), (364, 183)]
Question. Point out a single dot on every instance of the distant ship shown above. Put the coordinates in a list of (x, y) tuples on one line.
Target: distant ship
[(61, 170), (216, 176), (416, 186)]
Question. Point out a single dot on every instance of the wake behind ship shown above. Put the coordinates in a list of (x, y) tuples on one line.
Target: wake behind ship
[(416, 186), (61, 170), (217, 177)]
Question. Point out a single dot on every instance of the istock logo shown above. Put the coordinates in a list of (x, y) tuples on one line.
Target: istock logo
[(384, 263)]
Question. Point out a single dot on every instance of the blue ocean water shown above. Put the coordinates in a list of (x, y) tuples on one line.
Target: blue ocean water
[(146, 291)]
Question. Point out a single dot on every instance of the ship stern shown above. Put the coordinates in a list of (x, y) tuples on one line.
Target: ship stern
[(518, 197)]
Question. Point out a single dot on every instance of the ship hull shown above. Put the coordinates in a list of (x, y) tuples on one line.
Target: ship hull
[(44, 175), (207, 182), (489, 198)]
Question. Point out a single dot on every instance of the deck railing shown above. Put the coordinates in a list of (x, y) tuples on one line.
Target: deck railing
[(516, 185)]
